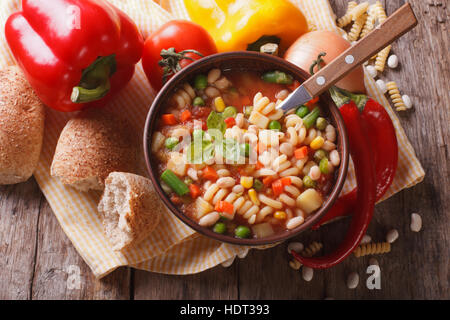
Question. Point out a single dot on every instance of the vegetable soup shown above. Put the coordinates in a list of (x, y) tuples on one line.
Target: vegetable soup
[(233, 162)]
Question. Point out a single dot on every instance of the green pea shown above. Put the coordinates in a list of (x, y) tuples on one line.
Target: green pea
[(323, 165), (321, 123), (198, 101), (220, 227), (248, 111), (171, 143), (319, 155), (229, 112), (275, 125), (242, 232), (257, 185), (201, 82), (302, 111), (308, 182), (245, 149)]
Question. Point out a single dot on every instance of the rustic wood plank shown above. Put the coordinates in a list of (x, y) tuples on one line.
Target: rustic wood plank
[(217, 283), (58, 265), (19, 215)]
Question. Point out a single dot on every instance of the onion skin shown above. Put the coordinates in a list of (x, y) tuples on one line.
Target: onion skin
[(305, 50)]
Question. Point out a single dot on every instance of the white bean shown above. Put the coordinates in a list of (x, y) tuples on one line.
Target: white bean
[(416, 222), (352, 280), (213, 75), (335, 158), (328, 146), (238, 189), (307, 273), (295, 222), (366, 239), (209, 219), (281, 95), (223, 173), (371, 71), (226, 182), (295, 246), (330, 133), (392, 235), (240, 120), (393, 61), (407, 100), (381, 85), (314, 173), (212, 92), (192, 173), (222, 83)]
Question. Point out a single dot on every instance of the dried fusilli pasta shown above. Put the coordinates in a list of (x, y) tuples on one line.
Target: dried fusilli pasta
[(396, 98), (380, 12), (312, 249), (359, 10), (370, 22), (347, 18), (381, 59), (357, 26), (372, 248)]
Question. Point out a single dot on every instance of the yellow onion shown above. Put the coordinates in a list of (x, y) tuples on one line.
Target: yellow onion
[(305, 50)]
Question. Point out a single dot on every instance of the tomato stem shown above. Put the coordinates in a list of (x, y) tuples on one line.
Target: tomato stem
[(170, 61)]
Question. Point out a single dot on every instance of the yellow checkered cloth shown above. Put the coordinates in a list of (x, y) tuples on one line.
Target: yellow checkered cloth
[(173, 248)]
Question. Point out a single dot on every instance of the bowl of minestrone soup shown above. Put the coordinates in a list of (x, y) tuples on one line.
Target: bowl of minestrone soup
[(231, 165)]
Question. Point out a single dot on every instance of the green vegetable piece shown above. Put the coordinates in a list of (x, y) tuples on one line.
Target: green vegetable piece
[(220, 228), (321, 123), (198, 101), (171, 143), (323, 165), (201, 82), (277, 77), (302, 111), (258, 185), (188, 181), (310, 119), (229, 112), (319, 155), (245, 149), (275, 125), (248, 111), (308, 182), (216, 121), (178, 186), (242, 232)]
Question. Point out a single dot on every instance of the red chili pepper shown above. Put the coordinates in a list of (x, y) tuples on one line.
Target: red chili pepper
[(365, 176), (75, 54), (383, 142)]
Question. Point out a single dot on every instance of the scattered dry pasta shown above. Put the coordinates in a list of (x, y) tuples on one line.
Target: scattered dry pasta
[(380, 12), (347, 18), (359, 10), (370, 23), (312, 249), (396, 98), (372, 248), (381, 59), (357, 26)]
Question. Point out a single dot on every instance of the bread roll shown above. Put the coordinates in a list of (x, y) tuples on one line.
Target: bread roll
[(91, 146), (130, 209), (22, 117)]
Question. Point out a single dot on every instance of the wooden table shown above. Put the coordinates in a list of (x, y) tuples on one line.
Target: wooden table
[(35, 254)]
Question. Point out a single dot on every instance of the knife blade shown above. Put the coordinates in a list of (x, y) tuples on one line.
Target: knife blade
[(296, 98)]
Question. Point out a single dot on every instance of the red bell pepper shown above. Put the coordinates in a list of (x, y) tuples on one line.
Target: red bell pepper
[(75, 53)]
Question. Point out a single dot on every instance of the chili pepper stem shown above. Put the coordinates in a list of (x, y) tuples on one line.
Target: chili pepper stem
[(359, 99)]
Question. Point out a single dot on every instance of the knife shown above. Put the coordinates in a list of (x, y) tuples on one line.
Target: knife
[(400, 22)]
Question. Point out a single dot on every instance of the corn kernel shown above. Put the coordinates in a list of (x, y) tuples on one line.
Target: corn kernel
[(219, 104), (253, 195), (317, 143), (280, 215), (247, 182)]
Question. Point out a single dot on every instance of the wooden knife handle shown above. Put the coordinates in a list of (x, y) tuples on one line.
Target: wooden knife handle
[(400, 22)]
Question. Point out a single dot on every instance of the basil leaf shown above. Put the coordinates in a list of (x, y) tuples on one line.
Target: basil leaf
[(216, 121)]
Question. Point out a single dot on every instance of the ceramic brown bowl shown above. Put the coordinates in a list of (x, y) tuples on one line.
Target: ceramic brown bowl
[(256, 62)]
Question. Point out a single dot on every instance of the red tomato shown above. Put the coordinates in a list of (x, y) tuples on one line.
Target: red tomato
[(180, 35)]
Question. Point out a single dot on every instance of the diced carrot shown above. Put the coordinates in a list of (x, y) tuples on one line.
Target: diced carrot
[(230, 122), (210, 174), (169, 119), (286, 181), (301, 153), (277, 187), (312, 102), (194, 190), (259, 165), (294, 85), (224, 206), (185, 115), (267, 181)]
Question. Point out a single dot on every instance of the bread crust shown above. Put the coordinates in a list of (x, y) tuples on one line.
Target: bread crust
[(92, 145), (22, 117), (142, 214)]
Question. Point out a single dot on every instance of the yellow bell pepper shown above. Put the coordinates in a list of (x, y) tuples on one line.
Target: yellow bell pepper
[(234, 24)]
